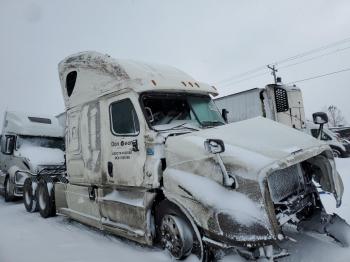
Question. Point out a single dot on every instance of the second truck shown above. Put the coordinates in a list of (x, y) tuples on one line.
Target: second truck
[(30, 144)]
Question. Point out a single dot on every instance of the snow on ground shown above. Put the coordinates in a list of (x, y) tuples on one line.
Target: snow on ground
[(26, 237)]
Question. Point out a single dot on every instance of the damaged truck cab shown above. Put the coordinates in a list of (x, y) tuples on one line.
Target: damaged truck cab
[(150, 158)]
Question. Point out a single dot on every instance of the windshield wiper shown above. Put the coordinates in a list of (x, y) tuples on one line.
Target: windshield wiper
[(178, 127), (212, 123)]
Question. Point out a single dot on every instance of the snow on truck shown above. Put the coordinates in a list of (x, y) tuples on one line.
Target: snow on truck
[(150, 158), (30, 144)]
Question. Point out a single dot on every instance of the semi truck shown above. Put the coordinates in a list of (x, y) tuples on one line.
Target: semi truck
[(281, 103), (278, 102), (150, 158), (30, 143)]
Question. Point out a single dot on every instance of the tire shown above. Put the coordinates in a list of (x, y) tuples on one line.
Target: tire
[(29, 197), (171, 225), (8, 196), (46, 200), (336, 152)]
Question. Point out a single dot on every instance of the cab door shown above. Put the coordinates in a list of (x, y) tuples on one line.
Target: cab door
[(122, 198), (125, 150)]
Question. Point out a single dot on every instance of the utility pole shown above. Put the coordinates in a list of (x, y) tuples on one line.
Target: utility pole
[(274, 70)]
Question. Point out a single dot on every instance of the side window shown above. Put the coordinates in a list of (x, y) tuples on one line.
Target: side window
[(314, 132), (325, 136), (70, 82), (123, 118)]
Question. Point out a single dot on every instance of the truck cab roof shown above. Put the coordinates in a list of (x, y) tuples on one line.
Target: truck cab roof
[(31, 125), (86, 76)]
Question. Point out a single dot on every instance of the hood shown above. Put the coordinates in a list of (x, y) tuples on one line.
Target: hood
[(252, 144), (41, 156)]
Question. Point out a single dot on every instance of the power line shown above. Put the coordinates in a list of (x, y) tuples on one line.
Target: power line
[(315, 50), (243, 74), (245, 79), (319, 76), (287, 66), (298, 56), (315, 57)]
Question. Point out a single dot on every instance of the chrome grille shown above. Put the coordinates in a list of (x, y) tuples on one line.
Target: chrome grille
[(285, 182)]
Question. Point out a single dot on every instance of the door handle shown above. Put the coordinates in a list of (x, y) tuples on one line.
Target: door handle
[(110, 169), (92, 193), (135, 146)]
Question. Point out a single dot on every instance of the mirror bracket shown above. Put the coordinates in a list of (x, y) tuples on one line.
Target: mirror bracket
[(224, 113)]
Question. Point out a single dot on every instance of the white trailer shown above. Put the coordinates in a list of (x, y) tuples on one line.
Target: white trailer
[(277, 102)]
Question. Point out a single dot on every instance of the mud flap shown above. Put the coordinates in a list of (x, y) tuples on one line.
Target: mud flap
[(331, 225)]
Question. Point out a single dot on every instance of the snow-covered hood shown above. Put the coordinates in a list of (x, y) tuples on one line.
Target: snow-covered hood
[(251, 145), (41, 156)]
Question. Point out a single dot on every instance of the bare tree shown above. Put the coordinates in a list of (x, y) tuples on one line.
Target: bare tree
[(335, 116)]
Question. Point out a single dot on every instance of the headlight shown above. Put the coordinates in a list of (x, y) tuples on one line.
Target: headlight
[(20, 177)]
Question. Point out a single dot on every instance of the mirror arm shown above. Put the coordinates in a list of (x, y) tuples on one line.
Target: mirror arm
[(228, 180), (320, 131)]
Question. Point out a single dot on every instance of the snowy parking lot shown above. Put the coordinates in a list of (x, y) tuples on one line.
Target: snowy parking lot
[(26, 237)]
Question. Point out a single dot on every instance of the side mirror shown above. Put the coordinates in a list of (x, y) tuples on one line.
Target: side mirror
[(150, 114), (320, 118), (10, 145), (214, 146), (224, 113)]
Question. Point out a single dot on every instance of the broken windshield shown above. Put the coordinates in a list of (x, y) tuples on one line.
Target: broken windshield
[(180, 110)]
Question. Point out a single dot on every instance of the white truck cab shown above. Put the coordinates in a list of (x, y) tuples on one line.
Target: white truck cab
[(150, 158), (29, 143)]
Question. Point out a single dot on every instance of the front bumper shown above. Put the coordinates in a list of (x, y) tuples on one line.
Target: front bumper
[(18, 191), (226, 243)]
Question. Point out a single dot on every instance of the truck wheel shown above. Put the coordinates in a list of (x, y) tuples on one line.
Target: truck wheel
[(336, 152), (8, 196), (176, 234), (47, 207), (30, 200)]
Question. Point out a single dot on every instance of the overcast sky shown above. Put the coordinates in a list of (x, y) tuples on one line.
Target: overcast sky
[(211, 40)]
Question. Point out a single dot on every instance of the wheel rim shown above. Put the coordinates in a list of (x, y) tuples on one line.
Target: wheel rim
[(336, 153), (176, 236), (42, 202)]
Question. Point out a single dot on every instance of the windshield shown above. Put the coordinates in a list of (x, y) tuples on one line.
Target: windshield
[(49, 142), (184, 110)]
